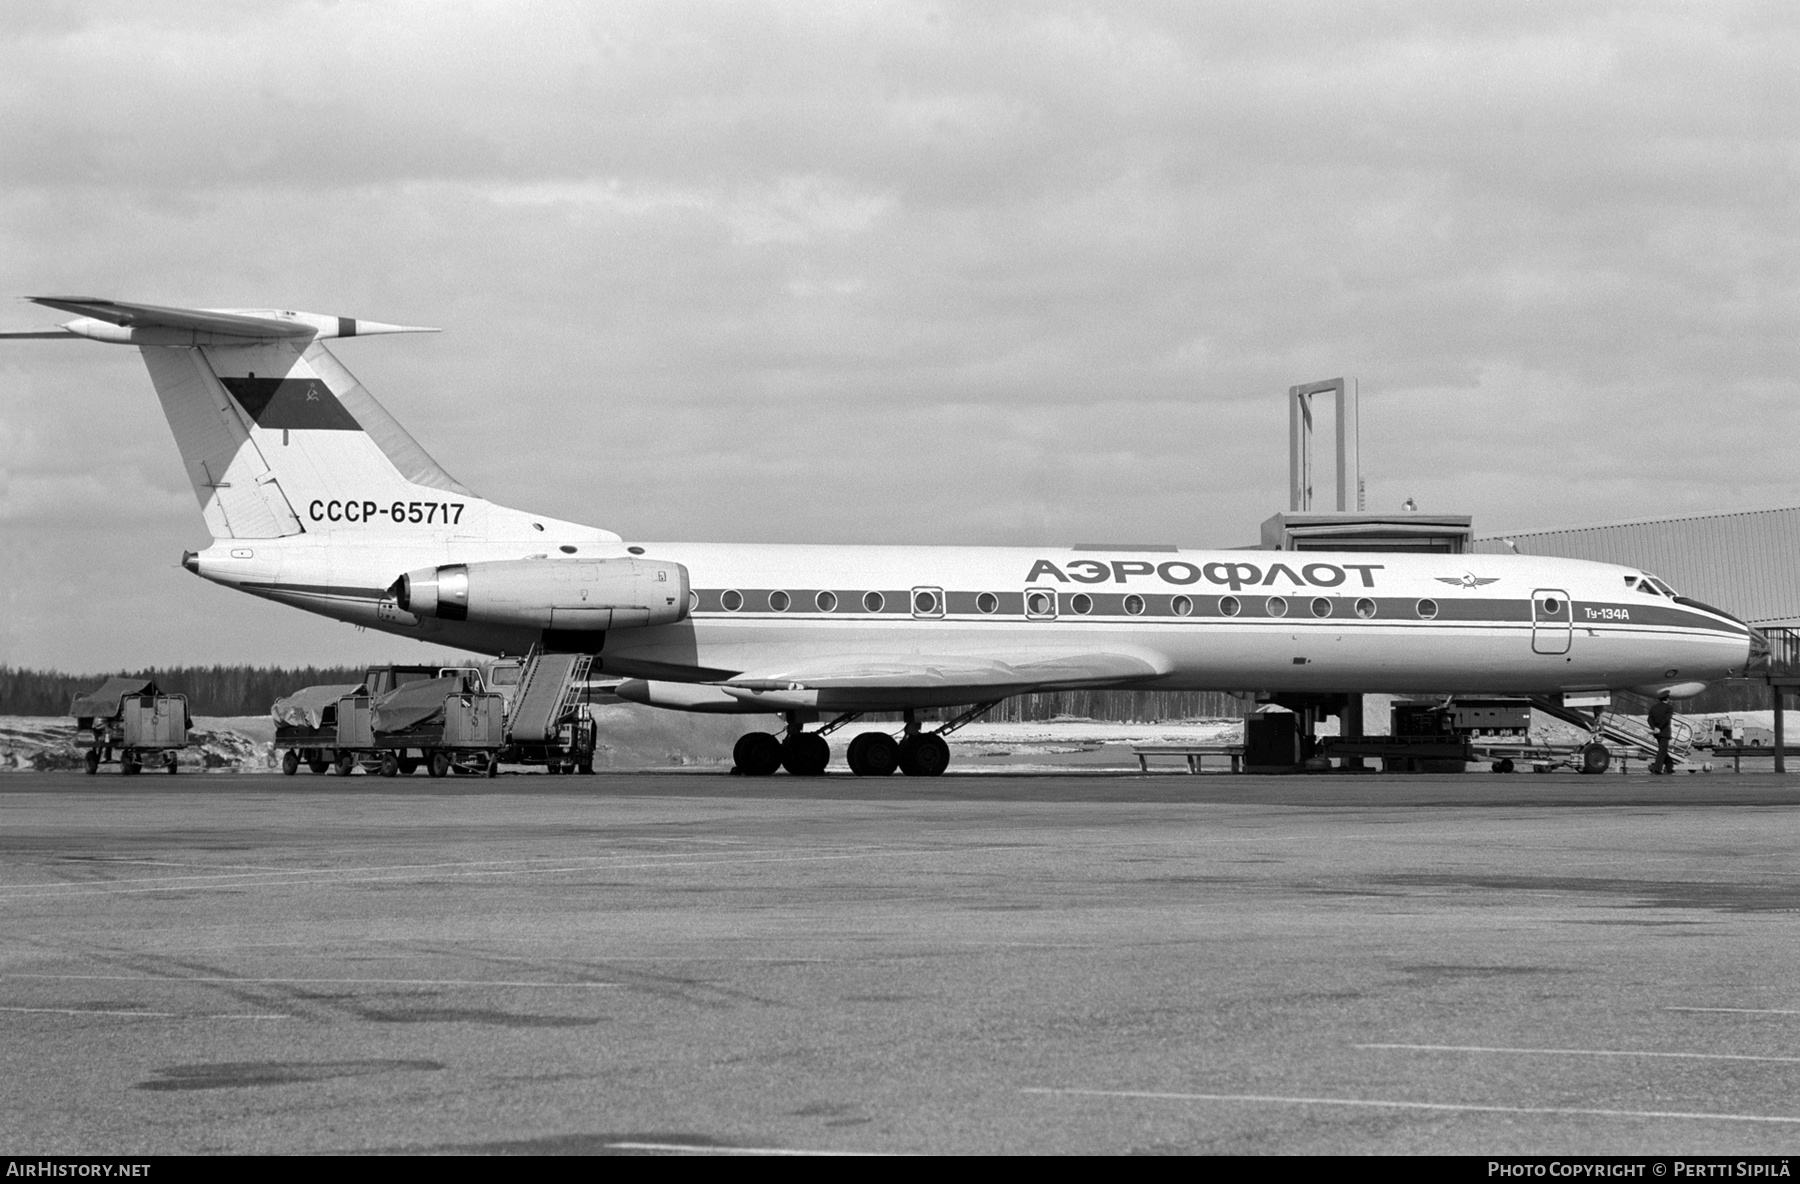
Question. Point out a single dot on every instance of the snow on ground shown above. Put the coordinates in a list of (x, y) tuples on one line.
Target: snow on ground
[(239, 743)]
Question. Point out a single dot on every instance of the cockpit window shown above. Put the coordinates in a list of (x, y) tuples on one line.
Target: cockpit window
[(1652, 586)]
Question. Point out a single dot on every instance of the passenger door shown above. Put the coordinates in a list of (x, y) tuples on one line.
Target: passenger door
[(1552, 621)]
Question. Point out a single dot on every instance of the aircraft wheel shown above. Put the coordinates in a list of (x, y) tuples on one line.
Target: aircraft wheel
[(437, 764), (408, 766), (805, 754), (873, 754), (586, 766), (493, 765), (758, 754), (318, 766), (91, 762), (170, 762), (1595, 759), (1503, 765), (129, 765), (290, 762), (924, 755), (346, 764), (390, 765)]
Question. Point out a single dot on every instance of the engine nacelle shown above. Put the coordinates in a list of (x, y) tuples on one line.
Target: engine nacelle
[(563, 594)]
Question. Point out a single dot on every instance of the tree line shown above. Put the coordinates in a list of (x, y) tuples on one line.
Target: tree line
[(210, 690)]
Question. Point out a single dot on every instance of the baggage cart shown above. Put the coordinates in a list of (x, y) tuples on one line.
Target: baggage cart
[(466, 737), (306, 726), (131, 723)]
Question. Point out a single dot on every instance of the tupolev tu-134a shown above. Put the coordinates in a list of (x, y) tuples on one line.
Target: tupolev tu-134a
[(317, 498)]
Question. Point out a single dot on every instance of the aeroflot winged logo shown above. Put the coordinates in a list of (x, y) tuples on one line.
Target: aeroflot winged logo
[(1467, 580)]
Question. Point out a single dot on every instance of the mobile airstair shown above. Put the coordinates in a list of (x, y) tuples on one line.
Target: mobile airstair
[(546, 723), (1612, 731)]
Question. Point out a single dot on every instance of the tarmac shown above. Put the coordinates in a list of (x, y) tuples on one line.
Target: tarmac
[(1482, 964)]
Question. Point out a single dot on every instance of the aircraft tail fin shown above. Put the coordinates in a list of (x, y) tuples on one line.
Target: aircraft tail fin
[(278, 438)]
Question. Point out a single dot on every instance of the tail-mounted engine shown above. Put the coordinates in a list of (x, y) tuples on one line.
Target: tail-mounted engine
[(562, 594)]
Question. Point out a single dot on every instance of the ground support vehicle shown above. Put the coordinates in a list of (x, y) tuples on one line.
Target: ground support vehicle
[(1614, 734), (546, 721), (132, 723), (445, 719), (465, 736), (463, 733), (335, 728), (306, 725), (1446, 736)]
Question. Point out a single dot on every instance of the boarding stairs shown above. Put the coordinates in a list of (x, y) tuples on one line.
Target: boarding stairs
[(1622, 731), (549, 692)]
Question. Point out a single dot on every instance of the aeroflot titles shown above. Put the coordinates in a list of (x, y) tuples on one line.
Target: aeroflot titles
[(1236, 575)]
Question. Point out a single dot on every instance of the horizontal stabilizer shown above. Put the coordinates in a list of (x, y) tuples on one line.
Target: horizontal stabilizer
[(122, 323)]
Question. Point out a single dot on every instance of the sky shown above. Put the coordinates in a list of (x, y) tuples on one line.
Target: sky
[(980, 273)]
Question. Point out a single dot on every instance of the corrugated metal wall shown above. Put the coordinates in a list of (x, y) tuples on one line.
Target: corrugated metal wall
[(1747, 563)]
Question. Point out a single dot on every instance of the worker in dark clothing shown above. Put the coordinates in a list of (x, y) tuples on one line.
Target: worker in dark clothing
[(1662, 716)]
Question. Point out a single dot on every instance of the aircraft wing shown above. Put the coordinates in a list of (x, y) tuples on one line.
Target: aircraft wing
[(1024, 669)]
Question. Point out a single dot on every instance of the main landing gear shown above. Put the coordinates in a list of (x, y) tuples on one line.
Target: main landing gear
[(871, 754)]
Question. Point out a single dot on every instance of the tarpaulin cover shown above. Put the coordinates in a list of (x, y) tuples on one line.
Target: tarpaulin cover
[(413, 704), (104, 703), (313, 707)]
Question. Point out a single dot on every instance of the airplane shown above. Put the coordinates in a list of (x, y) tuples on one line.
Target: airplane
[(317, 498)]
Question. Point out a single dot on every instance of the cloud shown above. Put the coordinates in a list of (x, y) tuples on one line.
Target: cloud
[(959, 273)]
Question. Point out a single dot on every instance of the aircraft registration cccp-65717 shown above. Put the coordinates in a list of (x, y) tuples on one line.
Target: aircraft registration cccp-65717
[(318, 499)]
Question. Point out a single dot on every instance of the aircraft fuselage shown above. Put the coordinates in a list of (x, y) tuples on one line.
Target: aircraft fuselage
[(1199, 620)]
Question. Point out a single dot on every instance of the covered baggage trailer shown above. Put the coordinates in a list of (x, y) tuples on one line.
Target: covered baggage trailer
[(388, 723), (306, 725), (465, 735), (131, 722)]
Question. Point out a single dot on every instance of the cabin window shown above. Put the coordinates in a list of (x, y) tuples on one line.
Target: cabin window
[(1134, 605), (693, 601), (1427, 610), (1365, 608), (1040, 604), (1321, 606), (1082, 603), (987, 602), (1230, 606), (1181, 606), (874, 602), (827, 602), (1551, 606), (1277, 606), (928, 602), (731, 600), (779, 601)]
